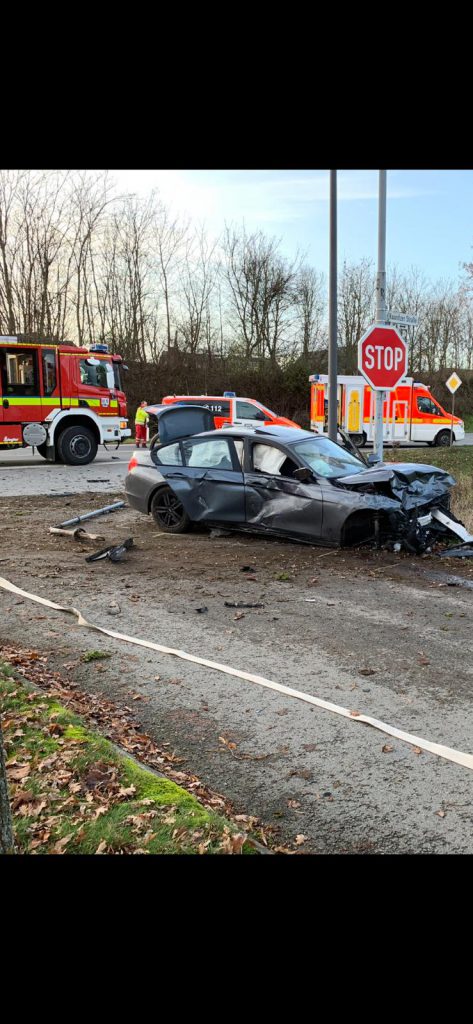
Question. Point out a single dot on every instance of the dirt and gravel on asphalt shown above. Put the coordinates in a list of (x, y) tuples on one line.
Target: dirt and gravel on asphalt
[(384, 634)]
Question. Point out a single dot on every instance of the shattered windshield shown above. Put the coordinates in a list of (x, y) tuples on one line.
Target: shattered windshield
[(327, 459)]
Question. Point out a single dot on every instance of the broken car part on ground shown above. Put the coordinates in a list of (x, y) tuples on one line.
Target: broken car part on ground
[(289, 483)]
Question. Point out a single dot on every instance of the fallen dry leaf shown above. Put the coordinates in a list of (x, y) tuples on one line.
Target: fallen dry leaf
[(293, 803), (300, 839), (387, 749), (355, 714), (417, 750), (61, 843), (101, 847), (366, 672), (440, 814)]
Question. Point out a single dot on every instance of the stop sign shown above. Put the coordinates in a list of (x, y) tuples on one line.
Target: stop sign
[(382, 357)]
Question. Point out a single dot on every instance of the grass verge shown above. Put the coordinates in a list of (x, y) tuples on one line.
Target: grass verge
[(72, 792)]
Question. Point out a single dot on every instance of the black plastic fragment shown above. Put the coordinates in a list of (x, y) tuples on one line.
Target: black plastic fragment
[(115, 552)]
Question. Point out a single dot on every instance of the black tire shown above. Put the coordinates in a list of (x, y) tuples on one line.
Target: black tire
[(442, 439), (359, 440), (77, 446), (168, 512)]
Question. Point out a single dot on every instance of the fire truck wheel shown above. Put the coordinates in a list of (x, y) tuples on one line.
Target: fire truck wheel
[(168, 512), (41, 448), (442, 439), (77, 446)]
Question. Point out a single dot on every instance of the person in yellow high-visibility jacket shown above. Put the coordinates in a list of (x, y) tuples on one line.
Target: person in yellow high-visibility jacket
[(141, 422)]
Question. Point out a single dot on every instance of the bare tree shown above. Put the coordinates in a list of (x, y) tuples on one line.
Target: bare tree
[(355, 309), (170, 242), (260, 283), (197, 283), (310, 303)]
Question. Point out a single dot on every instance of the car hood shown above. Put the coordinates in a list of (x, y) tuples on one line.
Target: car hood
[(410, 483)]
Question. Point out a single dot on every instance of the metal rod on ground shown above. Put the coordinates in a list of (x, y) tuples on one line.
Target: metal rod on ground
[(380, 306), (91, 515), (332, 349), (451, 425)]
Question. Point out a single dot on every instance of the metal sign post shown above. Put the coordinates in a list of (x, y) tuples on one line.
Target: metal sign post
[(332, 323), (381, 311), (453, 383)]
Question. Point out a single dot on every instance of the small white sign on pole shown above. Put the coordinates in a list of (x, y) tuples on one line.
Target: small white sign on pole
[(453, 383), (403, 319)]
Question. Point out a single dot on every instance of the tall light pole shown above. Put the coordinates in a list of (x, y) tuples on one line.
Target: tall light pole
[(332, 313), (381, 311)]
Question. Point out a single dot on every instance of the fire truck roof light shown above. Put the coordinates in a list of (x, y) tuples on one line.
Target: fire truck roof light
[(98, 348), (229, 394)]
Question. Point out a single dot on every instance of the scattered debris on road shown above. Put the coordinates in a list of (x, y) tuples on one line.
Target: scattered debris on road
[(114, 552), (78, 533), (242, 604), (91, 515)]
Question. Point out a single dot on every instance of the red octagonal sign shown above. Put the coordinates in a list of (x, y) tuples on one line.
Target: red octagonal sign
[(382, 357)]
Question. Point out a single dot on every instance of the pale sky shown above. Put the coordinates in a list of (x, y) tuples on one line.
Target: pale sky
[(429, 213)]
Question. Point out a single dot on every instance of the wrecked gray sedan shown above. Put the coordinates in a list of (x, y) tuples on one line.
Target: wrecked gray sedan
[(289, 483)]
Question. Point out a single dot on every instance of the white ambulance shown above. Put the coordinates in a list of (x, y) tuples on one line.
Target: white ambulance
[(410, 411)]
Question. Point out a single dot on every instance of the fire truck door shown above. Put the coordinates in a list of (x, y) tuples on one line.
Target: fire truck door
[(20, 393), (400, 421)]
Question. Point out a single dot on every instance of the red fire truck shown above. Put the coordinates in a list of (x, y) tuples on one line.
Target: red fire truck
[(61, 399)]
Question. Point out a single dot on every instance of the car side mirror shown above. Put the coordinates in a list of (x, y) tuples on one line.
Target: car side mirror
[(303, 474), (373, 459)]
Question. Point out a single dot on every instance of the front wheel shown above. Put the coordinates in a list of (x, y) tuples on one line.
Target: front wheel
[(169, 512), (77, 446), (442, 439)]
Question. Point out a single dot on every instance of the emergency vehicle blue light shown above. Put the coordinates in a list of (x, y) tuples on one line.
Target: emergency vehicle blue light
[(98, 348), (229, 394)]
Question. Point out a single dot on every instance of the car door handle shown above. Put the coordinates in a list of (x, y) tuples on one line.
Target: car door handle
[(175, 476), (6, 403)]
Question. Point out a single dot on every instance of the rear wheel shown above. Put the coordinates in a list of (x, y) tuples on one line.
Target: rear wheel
[(169, 512), (77, 446), (442, 439), (359, 440)]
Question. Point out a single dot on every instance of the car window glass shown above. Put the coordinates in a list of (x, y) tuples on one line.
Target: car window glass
[(239, 450), (327, 458), (267, 459), (170, 455), (426, 405), (215, 453), (247, 411)]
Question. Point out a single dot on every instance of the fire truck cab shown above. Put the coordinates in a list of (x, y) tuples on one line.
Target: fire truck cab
[(61, 399), (410, 411)]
